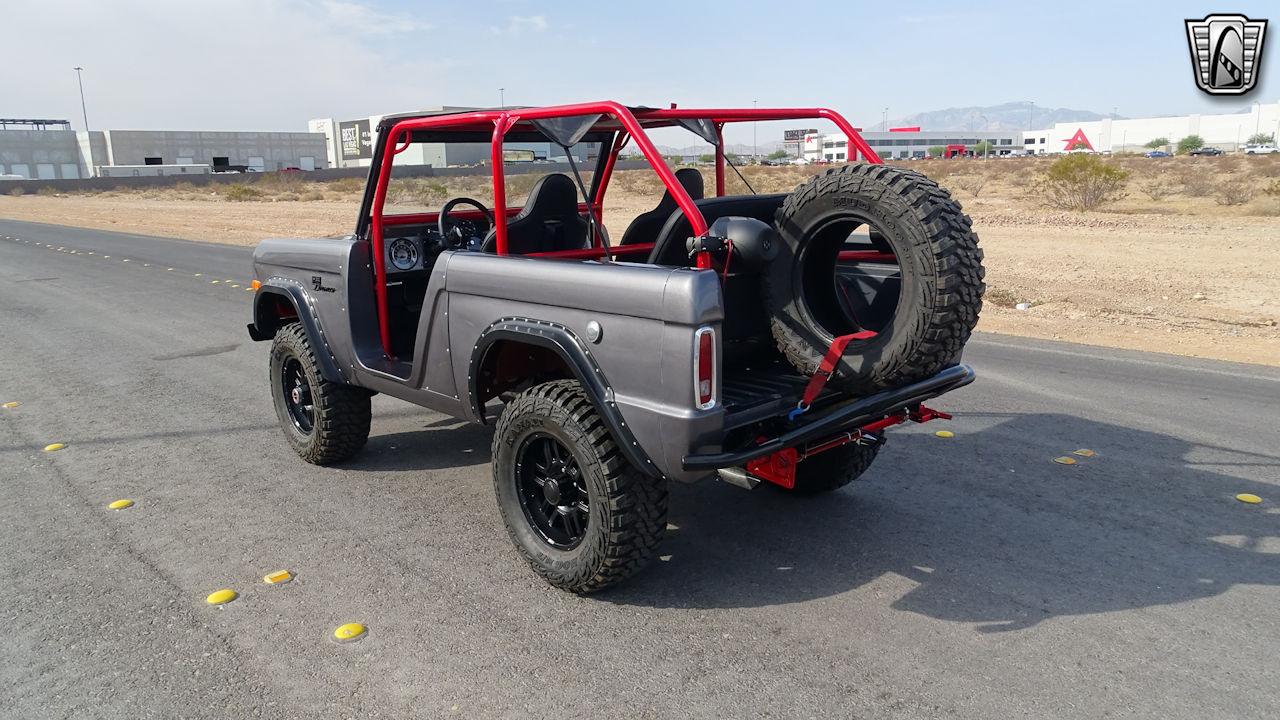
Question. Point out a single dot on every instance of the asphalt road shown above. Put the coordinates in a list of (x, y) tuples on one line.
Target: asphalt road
[(966, 577)]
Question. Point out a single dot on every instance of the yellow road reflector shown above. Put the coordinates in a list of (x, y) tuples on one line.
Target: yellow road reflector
[(1084, 452), (11, 404), (234, 285), (349, 632), (222, 597), (249, 289), (52, 447), (121, 504), (198, 274), (1249, 498), (125, 260), (214, 282), (944, 434), (168, 269), (255, 284), (1064, 460), (278, 577), (106, 257)]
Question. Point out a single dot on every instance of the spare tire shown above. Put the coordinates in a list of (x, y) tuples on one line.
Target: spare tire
[(939, 274)]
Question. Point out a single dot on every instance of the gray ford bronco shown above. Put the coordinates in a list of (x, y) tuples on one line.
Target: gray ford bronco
[(754, 338)]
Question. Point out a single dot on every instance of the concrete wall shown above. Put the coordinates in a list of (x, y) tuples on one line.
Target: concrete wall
[(278, 150), (108, 183), (63, 154), (40, 153)]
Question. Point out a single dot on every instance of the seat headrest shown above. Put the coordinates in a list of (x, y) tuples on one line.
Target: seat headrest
[(552, 195), (691, 180)]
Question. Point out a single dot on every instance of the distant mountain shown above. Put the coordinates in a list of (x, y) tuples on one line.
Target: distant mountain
[(1006, 116)]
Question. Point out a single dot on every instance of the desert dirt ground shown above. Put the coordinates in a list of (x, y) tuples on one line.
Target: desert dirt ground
[(1184, 262)]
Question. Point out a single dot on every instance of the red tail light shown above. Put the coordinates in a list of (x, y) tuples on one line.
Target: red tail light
[(704, 368)]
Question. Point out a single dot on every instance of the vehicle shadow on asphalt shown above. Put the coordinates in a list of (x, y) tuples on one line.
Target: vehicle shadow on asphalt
[(984, 528), (440, 443)]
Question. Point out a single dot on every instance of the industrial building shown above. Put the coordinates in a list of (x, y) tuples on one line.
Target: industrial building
[(62, 153), (1226, 132), (906, 143), (349, 143)]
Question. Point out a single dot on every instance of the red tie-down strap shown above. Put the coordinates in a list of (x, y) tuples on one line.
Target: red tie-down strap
[(825, 369)]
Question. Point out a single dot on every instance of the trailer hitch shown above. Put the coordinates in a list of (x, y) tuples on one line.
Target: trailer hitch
[(779, 467)]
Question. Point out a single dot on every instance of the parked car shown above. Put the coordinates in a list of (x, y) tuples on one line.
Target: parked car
[(1156, 154), (1260, 149), (608, 380), (1208, 151)]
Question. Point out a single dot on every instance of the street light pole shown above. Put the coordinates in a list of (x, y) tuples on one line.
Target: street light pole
[(755, 148), (83, 111), (502, 98)]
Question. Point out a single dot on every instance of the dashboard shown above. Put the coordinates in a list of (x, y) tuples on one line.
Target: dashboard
[(405, 254)]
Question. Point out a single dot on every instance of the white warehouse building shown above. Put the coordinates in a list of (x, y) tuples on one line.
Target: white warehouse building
[(1226, 132)]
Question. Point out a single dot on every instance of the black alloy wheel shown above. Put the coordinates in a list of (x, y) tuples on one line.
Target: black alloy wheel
[(297, 396), (553, 494)]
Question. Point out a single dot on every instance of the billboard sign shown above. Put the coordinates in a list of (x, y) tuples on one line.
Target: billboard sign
[(794, 136), (354, 140)]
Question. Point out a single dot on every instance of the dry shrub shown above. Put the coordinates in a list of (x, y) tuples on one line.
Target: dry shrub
[(1157, 188), (417, 191), (1082, 182), (17, 192), (1197, 184), (280, 182), (346, 185), (1235, 191), (239, 192), (972, 184), (47, 191), (312, 196), (1267, 166)]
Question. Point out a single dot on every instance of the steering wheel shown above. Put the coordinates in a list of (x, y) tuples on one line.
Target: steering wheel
[(452, 232)]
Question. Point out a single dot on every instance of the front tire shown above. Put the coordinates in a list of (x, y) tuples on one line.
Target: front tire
[(577, 511), (325, 422)]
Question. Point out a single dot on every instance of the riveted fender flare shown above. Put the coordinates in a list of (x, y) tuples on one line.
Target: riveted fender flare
[(564, 343), (265, 323)]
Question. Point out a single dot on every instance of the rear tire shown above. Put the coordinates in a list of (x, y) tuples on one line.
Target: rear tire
[(833, 469), (577, 511), (325, 422), (937, 253)]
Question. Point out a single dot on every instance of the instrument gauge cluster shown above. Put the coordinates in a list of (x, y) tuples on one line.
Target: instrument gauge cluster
[(404, 254)]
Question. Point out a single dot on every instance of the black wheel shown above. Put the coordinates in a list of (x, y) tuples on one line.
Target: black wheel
[(325, 422), (577, 511), (833, 469), (938, 270)]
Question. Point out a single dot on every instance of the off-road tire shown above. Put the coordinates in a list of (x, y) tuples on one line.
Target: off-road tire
[(833, 469), (341, 412), (628, 509), (941, 268)]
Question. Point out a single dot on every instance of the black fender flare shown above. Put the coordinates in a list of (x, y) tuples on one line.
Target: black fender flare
[(566, 344), (265, 323)]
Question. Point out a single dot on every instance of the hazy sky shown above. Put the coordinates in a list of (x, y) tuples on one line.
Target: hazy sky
[(274, 64)]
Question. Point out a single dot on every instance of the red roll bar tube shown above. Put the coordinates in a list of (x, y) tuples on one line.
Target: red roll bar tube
[(630, 124)]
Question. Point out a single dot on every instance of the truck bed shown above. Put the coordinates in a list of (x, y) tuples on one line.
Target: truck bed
[(758, 391)]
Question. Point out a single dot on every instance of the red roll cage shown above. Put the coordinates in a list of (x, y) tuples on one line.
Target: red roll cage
[(625, 123)]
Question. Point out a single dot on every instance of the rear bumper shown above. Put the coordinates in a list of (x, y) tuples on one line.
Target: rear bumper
[(845, 417)]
